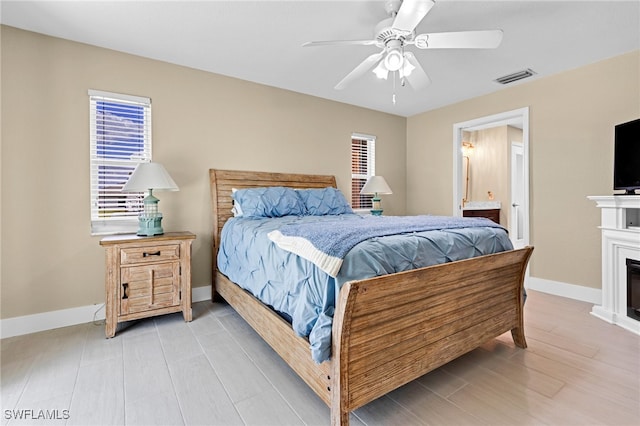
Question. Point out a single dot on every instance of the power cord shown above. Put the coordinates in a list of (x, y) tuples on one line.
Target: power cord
[(98, 322)]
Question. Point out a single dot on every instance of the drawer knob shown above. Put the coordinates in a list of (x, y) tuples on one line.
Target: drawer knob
[(145, 254)]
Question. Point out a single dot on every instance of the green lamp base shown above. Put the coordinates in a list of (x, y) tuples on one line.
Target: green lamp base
[(376, 206), (150, 226)]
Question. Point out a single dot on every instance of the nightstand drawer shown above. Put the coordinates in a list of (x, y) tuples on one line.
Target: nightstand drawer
[(149, 254)]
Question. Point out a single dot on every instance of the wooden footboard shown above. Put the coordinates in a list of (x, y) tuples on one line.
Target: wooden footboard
[(392, 329)]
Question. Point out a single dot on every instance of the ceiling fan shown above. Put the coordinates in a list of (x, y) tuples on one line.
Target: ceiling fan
[(397, 31)]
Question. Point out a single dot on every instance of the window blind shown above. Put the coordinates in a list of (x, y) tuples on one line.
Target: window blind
[(362, 167), (120, 139)]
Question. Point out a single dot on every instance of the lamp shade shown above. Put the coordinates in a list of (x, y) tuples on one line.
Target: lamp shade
[(376, 185), (150, 176)]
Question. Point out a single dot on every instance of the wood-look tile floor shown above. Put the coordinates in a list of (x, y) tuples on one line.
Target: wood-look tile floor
[(578, 370)]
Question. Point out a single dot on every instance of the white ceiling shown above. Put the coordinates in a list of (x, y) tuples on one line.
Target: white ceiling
[(261, 41)]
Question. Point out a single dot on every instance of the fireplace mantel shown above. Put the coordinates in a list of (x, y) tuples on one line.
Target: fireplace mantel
[(620, 226)]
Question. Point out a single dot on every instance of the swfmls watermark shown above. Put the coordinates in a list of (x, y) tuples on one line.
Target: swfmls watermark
[(30, 414)]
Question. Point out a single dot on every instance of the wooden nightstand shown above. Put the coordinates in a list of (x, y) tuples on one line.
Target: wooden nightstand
[(147, 276)]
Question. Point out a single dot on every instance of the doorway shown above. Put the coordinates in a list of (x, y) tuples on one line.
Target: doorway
[(517, 204)]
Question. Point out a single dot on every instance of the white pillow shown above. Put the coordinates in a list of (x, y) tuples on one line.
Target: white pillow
[(236, 209)]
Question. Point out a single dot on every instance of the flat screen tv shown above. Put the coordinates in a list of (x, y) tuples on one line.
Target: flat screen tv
[(626, 161)]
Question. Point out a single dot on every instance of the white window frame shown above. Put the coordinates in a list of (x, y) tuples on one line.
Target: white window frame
[(112, 211), (362, 203)]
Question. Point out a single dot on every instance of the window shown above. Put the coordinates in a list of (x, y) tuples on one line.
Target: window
[(120, 139), (363, 156)]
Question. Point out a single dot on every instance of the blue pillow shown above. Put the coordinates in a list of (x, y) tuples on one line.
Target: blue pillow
[(272, 201), (326, 201)]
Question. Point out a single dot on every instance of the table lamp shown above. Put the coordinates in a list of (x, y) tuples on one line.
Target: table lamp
[(376, 185), (147, 177)]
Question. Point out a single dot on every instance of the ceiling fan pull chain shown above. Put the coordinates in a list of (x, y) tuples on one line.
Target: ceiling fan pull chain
[(393, 98)]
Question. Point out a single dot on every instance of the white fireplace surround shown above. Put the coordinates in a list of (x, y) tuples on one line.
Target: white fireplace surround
[(620, 225)]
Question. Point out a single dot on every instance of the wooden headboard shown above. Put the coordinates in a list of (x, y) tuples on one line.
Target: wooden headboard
[(222, 181)]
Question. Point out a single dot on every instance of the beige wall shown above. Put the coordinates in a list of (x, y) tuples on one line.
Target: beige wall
[(572, 116), (200, 121)]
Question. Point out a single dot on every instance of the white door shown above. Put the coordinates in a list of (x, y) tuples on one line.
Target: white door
[(516, 218)]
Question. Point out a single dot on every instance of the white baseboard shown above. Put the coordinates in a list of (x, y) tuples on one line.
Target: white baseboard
[(26, 324), (571, 291), (17, 326)]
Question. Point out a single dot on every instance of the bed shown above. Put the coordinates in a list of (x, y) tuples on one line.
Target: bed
[(387, 330)]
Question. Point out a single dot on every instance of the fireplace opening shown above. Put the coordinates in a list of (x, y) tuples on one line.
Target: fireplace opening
[(633, 289)]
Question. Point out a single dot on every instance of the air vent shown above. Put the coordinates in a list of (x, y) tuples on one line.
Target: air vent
[(506, 79)]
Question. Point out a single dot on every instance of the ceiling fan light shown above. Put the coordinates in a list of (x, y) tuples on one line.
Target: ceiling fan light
[(394, 60), (381, 71), (407, 69)]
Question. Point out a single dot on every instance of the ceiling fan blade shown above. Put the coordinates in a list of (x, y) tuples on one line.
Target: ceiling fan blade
[(487, 39), (418, 79), (358, 71), (340, 43), (410, 14)]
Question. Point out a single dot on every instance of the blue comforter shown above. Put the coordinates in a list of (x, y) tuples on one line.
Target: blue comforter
[(327, 242), (306, 295)]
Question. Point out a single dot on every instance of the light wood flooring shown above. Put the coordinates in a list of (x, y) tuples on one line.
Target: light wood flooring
[(578, 370)]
